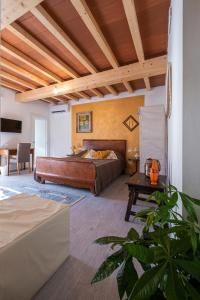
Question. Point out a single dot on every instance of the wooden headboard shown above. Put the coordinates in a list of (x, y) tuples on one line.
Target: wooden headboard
[(115, 145)]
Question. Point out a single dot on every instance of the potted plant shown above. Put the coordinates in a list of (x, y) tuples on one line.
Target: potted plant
[(168, 251)]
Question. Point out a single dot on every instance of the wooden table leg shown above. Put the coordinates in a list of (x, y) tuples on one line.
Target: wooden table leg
[(32, 160), (130, 203), (133, 196), (8, 165)]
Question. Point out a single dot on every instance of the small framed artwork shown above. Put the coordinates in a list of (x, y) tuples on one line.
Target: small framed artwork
[(84, 122)]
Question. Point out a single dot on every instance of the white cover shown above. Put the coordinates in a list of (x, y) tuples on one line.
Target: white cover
[(153, 135), (34, 242)]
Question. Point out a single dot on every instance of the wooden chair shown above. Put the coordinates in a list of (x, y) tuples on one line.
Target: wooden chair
[(23, 156)]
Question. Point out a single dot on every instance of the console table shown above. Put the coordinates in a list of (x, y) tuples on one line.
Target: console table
[(140, 184), (8, 152)]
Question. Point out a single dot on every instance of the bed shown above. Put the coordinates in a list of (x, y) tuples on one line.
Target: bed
[(75, 171), (34, 242)]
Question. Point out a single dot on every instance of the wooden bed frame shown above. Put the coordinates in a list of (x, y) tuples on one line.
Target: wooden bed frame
[(80, 173)]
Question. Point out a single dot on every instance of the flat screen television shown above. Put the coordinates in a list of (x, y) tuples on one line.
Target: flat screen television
[(9, 125)]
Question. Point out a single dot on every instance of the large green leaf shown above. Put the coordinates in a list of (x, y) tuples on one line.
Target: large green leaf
[(148, 283), (108, 266), (189, 207), (195, 201), (179, 246), (159, 254), (133, 234), (191, 267), (144, 212), (194, 240), (194, 294), (110, 239), (140, 252), (173, 200), (174, 287), (126, 278), (163, 214)]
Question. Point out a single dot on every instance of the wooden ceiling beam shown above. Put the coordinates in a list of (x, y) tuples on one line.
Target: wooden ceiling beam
[(131, 15), (12, 10), (45, 18), (70, 97), (41, 14), (111, 90), (89, 20), (26, 37), (19, 55), (128, 86), (14, 52), (151, 67), (12, 86), (83, 95), (17, 80), (22, 72), (97, 93)]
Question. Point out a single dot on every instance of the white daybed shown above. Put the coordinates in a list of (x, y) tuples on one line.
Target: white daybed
[(34, 242)]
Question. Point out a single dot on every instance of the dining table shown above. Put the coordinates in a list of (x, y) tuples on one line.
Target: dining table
[(8, 152)]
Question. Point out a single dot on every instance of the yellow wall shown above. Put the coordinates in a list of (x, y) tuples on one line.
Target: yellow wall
[(108, 117)]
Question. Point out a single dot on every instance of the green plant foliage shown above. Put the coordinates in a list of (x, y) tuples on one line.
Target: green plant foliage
[(168, 251)]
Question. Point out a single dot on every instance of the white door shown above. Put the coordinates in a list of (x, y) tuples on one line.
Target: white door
[(40, 136)]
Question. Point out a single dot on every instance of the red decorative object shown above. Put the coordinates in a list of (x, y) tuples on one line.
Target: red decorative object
[(154, 171)]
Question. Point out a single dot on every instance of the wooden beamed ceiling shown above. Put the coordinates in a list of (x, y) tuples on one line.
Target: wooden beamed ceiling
[(71, 49)]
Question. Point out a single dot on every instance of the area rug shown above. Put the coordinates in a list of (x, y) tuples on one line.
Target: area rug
[(65, 198)]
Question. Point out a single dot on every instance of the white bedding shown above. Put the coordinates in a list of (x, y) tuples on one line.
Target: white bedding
[(34, 242)]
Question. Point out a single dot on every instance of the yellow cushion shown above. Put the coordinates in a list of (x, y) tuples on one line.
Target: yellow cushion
[(100, 154), (85, 154)]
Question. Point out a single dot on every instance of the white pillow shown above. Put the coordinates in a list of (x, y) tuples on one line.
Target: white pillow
[(112, 155), (90, 154)]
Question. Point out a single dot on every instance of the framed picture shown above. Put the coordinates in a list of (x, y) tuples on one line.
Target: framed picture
[(169, 89), (84, 122)]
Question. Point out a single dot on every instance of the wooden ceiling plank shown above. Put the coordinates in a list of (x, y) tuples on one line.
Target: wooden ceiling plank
[(89, 20), (14, 52), (12, 10), (12, 86), (97, 93), (111, 90), (22, 72), (83, 95), (70, 97), (151, 67), (131, 15), (128, 86), (26, 37), (17, 80), (58, 99)]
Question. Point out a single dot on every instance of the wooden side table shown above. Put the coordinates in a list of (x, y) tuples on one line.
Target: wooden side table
[(133, 165), (140, 184)]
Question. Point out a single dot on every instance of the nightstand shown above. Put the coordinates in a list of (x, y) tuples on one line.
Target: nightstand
[(133, 165)]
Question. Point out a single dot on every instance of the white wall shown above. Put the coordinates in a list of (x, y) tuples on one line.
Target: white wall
[(9, 108), (191, 98), (175, 56)]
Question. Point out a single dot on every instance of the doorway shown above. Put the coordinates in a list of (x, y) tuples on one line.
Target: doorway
[(40, 136)]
